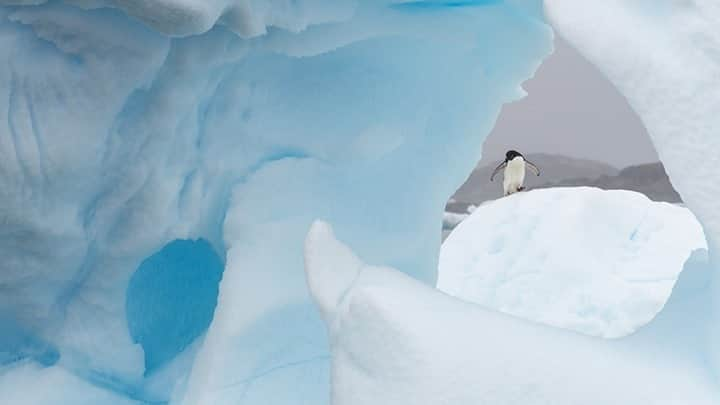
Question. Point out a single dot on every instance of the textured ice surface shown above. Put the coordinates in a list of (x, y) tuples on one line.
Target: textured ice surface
[(398, 341), (126, 126), (245, 17), (598, 262)]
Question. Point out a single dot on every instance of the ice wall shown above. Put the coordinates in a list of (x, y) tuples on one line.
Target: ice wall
[(127, 127), (664, 56)]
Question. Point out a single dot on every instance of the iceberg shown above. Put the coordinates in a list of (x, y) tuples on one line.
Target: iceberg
[(597, 262), (129, 128)]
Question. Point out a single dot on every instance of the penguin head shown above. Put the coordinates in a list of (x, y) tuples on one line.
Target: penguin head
[(512, 154)]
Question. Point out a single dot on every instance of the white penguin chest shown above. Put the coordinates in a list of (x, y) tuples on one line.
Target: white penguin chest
[(514, 175), (515, 171)]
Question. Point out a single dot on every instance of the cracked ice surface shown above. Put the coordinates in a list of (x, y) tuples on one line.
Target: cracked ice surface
[(117, 139)]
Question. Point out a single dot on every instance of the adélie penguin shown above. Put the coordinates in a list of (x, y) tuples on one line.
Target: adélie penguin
[(514, 166)]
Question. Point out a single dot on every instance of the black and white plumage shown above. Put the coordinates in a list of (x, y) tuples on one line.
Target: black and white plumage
[(514, 174)]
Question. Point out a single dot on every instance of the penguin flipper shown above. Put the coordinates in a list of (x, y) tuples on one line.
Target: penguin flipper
[(532, 167), (497, 169)]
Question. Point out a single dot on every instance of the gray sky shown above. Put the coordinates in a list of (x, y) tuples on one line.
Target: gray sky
[(571, 109)]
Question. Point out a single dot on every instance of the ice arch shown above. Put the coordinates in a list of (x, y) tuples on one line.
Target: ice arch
[(119, 135), (668, 69), (665, 58)]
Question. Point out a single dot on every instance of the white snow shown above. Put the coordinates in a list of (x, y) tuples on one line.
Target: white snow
[(598, 262), (397, 341)]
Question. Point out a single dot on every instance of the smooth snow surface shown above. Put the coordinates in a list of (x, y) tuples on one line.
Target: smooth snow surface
[(398, 341), (598, 262)]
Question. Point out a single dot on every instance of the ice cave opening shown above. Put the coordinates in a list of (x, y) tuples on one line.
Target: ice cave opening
[(171, 298), (582, 132)]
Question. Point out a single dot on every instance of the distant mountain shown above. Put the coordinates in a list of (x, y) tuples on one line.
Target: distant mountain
[(554, 169), (561, 171), (649, 179)]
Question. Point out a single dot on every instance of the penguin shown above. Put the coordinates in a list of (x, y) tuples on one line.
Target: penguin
[(514, 166)]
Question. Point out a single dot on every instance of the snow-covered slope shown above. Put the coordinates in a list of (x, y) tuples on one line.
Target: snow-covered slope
[(398, 341), (594, 261)]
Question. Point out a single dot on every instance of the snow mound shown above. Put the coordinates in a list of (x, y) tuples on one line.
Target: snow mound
[(598, 262), (397, 341)]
